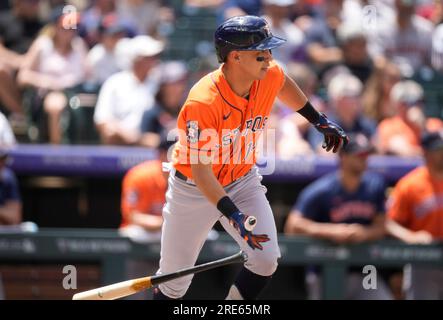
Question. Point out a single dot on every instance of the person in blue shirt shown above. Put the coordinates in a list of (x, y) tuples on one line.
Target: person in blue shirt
[(346, 207), (162, 118), (10, 202), (231, 8), (345, 108)]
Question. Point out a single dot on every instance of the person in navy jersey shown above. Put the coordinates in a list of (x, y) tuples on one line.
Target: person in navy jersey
[(10, 202), (346, 206)]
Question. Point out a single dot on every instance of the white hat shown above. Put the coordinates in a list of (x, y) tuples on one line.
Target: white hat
[(344, 85), (407, 91), (140, 46), (145, 46), (173, 71), (350, 31), (281, 3)]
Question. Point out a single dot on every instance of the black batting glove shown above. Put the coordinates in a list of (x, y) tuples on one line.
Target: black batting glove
[(333, 133)]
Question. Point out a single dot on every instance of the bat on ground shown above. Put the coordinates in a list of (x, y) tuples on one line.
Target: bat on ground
[(126, 288)]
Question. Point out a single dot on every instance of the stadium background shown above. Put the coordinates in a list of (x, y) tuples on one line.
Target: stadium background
[(67, 187)]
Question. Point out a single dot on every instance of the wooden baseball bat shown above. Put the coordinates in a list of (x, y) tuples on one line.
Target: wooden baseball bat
[(126, 288)]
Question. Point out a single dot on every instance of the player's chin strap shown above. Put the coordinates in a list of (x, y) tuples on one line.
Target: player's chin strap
[(234, 294)]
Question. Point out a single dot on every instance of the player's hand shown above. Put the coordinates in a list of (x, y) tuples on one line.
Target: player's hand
[(420, 237), (334, 134), (342, 233), (241, 223)]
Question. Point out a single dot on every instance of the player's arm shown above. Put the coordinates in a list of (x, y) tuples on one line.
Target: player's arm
[(291, 95), (206, 181), (147, 221), (375, 231), (297, 224), (208, 184), (404, 234), (11, 213)]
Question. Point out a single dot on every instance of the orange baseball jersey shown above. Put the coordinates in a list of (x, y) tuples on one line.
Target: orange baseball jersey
[(143, 190), (395, 126), (417, 202), (214, 122)]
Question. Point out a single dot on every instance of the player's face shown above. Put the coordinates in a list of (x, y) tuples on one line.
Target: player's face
[(435, 159), (255, 63), (355, 163)]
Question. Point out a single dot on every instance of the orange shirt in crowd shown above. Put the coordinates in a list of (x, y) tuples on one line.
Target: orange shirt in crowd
[(143, 190), (417, 202), (217, 123), (396, 126)]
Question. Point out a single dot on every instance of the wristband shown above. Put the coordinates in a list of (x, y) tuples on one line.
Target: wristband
[(309, 112), (227, 207)]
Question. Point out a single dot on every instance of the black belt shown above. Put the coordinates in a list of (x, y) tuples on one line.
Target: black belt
[(181, 176)]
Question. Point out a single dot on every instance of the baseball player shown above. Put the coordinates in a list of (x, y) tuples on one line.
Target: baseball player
[(213, 177)]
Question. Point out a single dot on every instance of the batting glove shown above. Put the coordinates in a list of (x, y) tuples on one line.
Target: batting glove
[(240, 222), (334, 134)]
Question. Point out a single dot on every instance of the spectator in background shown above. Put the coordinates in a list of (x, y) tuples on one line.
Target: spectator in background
[(431, 10), (400, 135), (55, 62), (322, 46), (7, 138), (143, 196), (292, 129), (345, 207), (277, 13), (102, 61), (92, 18), (368, 13), (142, 200), (344, 93), (415, 211), (353, 43), (303, 12), (18, 28), (376, 99), (10, 202), (162, 118), (437, 39), (232, 8), (147, 16), (204, 4), (125, 96), (406, 40)]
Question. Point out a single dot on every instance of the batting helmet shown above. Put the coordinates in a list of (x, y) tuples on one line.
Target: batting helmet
[(244, 33)]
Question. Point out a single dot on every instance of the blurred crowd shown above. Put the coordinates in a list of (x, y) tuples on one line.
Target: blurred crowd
[(95, 72), (367, 64)]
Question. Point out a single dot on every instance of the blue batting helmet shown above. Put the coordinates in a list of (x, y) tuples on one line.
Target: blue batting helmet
[(244, 33)]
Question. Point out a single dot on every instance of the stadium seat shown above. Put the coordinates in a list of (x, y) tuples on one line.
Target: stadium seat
[(78, 122)]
